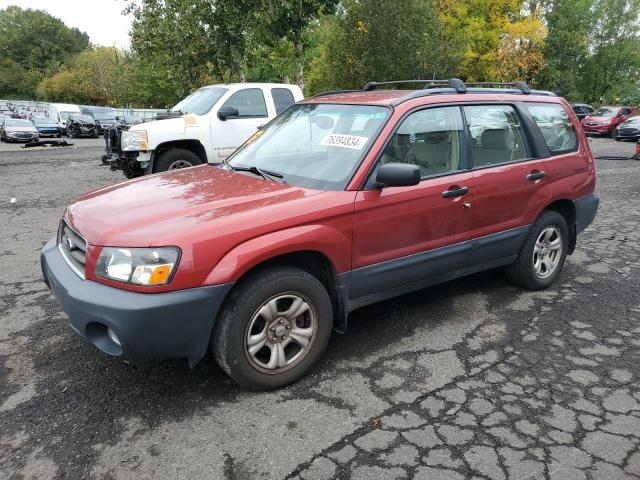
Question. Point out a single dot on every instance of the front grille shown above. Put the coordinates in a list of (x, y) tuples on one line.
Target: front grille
[(73, 248)]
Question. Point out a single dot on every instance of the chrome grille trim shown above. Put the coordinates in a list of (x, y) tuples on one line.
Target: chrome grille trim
[(73, 247)]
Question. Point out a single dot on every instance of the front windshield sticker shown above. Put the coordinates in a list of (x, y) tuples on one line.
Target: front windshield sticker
[(352, 142)]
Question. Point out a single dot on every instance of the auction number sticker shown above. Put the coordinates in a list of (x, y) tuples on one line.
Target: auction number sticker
[(352, 142)]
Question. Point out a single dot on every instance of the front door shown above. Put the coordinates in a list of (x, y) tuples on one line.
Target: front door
[(229, 134), (404, 235)]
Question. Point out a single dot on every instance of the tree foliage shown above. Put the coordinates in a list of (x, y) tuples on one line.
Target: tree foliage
[(586, 50), (33, 45)]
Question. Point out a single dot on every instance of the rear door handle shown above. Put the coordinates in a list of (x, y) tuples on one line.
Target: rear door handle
[(535, 175), (454, 192)]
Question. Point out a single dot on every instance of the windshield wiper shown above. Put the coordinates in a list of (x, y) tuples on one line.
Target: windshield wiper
[(266, 174)]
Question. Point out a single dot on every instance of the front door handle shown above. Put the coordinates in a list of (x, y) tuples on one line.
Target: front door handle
[(535, 175), (454, 191)]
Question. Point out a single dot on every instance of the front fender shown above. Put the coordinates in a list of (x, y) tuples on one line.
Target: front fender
[(329, 241)]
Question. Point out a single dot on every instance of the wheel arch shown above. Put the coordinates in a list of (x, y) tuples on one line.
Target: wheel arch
[(316, 249), (567, 209), (192, 145)]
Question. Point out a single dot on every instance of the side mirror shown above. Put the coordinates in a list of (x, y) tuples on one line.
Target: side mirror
[(227, 112), (398, 175)]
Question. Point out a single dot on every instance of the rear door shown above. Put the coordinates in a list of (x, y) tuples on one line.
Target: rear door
[(510, 181), (403, 235), (229, 134)]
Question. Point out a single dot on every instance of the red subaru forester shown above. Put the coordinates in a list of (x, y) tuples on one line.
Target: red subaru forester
[(343, 200)]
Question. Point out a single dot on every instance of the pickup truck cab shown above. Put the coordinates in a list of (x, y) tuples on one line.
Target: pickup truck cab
[(205, 127), (343, 200)]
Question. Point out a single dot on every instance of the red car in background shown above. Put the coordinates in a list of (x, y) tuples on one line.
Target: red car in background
[(605, 119)]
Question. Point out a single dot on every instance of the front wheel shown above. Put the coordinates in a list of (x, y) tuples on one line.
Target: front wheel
[(175, 159), (542, 256), (273, 328)]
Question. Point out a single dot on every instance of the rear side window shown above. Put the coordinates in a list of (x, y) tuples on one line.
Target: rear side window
[(556, 127), (496, 133), (282, 99), (249, 102)]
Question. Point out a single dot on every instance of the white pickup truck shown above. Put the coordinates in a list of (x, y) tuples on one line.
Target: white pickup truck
[(207, 126)]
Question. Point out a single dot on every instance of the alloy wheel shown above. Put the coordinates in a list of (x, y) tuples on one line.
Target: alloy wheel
[(281, 333)]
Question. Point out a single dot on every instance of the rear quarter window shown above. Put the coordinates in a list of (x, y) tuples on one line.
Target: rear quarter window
[(556, 127), (282, 99)]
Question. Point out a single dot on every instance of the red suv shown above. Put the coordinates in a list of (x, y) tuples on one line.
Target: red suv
[(343, 200), (605, 120)]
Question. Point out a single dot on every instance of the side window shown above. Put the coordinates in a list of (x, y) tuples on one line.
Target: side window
[(433, 139), (496, 133), (282, 99), (556, 127), (249, 102)]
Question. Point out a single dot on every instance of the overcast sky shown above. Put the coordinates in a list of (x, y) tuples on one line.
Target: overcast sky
[(102, 20)]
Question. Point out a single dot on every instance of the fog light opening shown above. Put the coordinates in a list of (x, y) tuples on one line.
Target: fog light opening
[(114, 338)]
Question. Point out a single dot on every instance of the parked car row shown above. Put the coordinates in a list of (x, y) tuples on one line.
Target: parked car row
[(620, 122)]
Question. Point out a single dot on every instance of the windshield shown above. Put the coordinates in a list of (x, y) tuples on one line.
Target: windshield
[(200, 101), (65, 115), (19, 123), (43, 121), (314, 145), (606, 112), (104, 116), (82, 118)]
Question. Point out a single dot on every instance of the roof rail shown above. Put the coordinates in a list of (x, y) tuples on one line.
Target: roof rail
[(522, 86), (456, 83), (333, 92)]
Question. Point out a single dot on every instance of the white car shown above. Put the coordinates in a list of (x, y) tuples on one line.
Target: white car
[(207, 126), (61, 112)]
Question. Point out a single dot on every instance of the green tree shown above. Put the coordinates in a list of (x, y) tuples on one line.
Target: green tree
[(33, 44), (377, 40)]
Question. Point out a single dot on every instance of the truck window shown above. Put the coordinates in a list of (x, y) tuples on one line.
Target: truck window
[(282, 99), (556, 128), (249, 102)]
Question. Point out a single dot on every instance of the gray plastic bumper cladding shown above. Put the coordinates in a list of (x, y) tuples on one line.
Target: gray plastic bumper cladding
[(586, 209), (150, 326)]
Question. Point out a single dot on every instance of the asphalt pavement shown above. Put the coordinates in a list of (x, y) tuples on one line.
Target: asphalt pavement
[(475, 378)]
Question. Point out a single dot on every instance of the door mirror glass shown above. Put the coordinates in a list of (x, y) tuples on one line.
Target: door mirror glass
[(398, 174), (227, 112)]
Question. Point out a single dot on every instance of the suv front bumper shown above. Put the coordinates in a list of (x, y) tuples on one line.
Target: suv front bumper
[(149, 326)]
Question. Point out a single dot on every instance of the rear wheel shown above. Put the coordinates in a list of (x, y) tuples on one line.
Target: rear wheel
[(542, 256), (175, 159), (273, 328)]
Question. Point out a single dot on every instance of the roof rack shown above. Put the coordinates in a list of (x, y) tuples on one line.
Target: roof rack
[(333, 92), (456, 83), (522, 86)]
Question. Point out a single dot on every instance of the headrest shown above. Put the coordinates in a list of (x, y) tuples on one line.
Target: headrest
[(494, 138)]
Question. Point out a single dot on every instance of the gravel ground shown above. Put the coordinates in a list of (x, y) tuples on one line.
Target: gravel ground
[(471, 379)]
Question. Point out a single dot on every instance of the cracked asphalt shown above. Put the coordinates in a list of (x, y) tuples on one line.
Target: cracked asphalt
[(475, 378)]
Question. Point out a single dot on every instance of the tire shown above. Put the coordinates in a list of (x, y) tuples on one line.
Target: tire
[(176, 158), (96, 134), (523, 271), (241, 317), (70, 132)]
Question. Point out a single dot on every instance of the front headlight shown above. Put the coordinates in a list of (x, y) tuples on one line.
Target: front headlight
[(139, 266), (134, 140)]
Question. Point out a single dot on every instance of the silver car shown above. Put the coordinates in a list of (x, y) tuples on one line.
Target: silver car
[(18, 130)]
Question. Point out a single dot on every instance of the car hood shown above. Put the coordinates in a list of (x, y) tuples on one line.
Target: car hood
[(163, 208), (9, 129), (591, 118)]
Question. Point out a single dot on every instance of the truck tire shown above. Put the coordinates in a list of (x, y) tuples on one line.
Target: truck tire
[(176, 158), (542, 256), (273, 328)]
